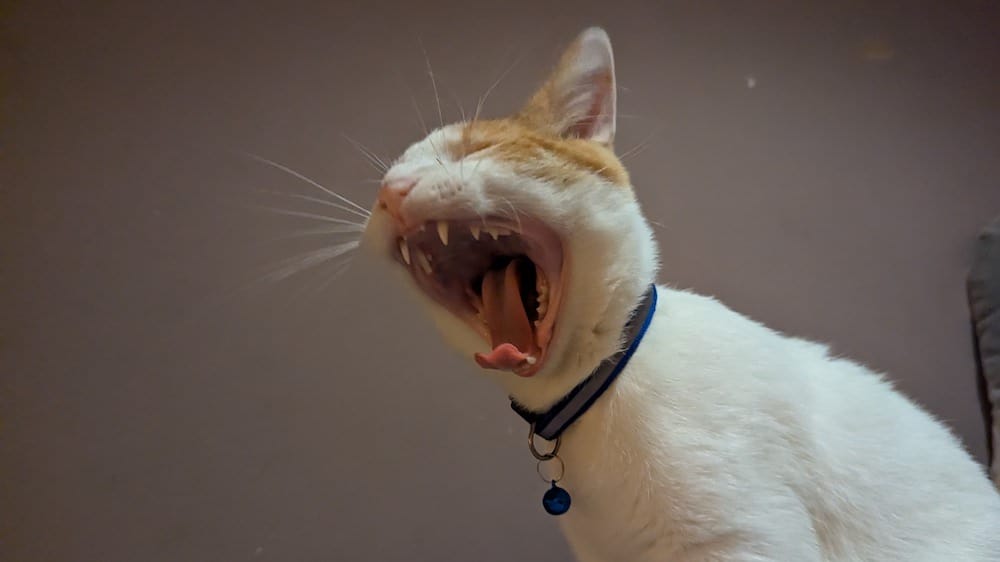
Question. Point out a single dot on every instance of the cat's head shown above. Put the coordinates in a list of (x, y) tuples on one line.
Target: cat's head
[(523, 235)]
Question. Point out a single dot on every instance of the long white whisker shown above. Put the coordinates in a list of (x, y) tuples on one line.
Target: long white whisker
[(641, 146), (310, 181), (413, 101), (369, 154), (458, 103), (296, 264), (315, 216), (430, 73), (517, 216), (364, 215), (482, 99), (340, 270), (321, 231)]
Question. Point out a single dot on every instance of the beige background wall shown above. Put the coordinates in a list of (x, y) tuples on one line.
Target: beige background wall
[(822, 167)]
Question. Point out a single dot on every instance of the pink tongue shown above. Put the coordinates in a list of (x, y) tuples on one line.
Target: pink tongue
[(510, 331)]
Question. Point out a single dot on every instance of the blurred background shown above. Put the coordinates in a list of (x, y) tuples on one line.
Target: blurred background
[(821, 166)]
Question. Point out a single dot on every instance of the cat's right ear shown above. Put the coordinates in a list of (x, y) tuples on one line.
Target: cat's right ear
[(578, 100)]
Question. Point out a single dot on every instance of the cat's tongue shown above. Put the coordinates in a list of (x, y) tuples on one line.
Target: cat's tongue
[(510, 330)]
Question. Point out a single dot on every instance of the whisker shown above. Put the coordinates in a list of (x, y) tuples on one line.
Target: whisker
[(492, 148), (310, 181), (364, 215), (482, 99), (413, 102), (430, 73), (321, 231), (517, 215), (296, 264), (314, 216), (306, 292), (369, 155), (341, 268), (634, 151), (458, 104), (641, 146)]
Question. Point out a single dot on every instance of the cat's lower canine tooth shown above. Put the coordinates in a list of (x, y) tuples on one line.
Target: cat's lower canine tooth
[(443, 232), (404, 249), (424, 262)]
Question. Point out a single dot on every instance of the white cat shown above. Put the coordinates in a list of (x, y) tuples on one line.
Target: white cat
[(722, 440)]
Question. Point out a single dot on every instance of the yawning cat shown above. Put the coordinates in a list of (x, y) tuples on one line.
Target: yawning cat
[(721, 440)]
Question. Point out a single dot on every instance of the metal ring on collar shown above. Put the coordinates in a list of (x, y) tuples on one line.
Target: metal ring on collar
[(542, 456)]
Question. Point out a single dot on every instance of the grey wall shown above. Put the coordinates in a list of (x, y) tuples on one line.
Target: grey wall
[(152, 411)]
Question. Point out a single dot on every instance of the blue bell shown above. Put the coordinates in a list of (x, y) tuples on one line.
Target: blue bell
[(556, 500)]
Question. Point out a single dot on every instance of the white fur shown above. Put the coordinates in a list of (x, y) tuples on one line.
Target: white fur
[(722, 440)]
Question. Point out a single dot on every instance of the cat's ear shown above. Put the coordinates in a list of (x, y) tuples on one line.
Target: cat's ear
[(578, 100)]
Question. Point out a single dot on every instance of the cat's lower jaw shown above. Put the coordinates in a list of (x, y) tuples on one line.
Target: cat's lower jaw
[(725, 441)]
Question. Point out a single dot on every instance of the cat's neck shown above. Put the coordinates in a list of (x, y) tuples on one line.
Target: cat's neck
[(601, 341)]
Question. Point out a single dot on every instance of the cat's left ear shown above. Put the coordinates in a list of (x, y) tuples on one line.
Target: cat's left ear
[(578, 100)]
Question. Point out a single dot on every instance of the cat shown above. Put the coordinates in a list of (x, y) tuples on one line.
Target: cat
[(721, 440)]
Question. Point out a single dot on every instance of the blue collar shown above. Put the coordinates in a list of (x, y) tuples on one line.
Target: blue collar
[(551, 424)]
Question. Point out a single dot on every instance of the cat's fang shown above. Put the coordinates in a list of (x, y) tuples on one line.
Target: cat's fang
[(443, 232), (475, 230), (404, 250), (424, 262)]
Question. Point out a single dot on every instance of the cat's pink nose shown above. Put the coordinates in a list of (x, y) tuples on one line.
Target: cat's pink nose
[(392, 194)]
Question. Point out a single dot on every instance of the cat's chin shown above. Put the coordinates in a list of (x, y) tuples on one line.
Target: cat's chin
[(499, 280)]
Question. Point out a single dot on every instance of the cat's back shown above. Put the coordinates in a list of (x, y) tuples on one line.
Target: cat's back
[(879, 478)]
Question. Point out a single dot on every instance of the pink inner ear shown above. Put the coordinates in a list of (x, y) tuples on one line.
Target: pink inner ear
[(586, 124), (584, 128)]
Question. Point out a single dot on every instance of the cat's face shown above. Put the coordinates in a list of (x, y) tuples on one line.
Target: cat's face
[(522, 234)]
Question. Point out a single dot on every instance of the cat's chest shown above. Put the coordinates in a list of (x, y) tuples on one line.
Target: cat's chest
[(619, 510)]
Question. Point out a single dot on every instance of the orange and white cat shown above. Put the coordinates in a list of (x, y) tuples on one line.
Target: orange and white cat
[(722, 440)]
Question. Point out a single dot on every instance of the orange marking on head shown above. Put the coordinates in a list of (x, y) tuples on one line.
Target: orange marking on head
[(538, 152)]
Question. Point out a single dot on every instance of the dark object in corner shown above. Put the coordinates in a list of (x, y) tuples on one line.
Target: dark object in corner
[(984, 302)]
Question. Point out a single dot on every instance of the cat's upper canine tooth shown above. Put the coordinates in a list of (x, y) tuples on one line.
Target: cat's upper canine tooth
[(424, 262), (443, 232), (404, 250), (476, 230)]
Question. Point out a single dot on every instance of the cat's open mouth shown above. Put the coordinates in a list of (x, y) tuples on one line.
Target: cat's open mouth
[(503, 278)]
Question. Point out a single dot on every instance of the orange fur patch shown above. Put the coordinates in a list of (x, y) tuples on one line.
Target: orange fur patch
[(539, 153)]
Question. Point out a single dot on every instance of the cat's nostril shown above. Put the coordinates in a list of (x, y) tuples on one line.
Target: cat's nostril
[(392, 194)]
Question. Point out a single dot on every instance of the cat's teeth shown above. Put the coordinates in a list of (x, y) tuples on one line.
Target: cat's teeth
[(443, 232), (404, 249), (476, 230), (494, 232), (542, 285), (531, 359), (424, 261), (543, 307)]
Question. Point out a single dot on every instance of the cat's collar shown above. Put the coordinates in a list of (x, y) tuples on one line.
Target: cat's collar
[(550, 425)]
